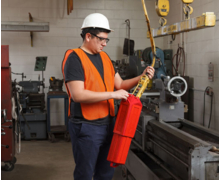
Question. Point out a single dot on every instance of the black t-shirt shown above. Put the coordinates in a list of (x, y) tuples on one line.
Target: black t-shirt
[(73, 71)]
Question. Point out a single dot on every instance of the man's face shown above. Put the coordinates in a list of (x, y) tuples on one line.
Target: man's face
[(98, 42)]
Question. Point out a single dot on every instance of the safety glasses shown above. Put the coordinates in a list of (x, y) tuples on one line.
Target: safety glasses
[(101, 38)]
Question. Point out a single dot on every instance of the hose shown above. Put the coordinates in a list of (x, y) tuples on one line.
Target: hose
[(210, 117), (180, 54), (203, 123)]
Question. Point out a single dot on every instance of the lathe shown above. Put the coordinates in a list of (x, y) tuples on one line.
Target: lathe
[(167, 146)]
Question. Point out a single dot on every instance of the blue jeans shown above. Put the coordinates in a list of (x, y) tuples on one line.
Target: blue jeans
[(90, 144)]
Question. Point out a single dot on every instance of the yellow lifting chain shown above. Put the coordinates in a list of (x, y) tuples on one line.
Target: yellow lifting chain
[(144, 80)]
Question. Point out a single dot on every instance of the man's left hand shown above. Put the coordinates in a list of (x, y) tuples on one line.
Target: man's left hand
[(149, 71)]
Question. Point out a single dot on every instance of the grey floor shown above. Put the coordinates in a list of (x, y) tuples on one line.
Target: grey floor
[(43, 160)]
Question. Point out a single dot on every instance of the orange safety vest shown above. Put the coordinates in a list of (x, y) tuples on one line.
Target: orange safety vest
[(93, 82)]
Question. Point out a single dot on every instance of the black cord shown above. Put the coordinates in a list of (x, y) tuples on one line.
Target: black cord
[(174, 69), (204, 105), (210, 118), (179, 54), (203, 123)]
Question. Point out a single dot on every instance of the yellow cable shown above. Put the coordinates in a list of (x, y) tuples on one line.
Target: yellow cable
[(144, 80)]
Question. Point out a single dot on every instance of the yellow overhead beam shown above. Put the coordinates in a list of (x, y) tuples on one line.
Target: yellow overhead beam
[(207, 19)]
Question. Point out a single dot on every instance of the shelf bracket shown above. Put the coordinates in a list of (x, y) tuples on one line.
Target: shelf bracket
[(31, 33)]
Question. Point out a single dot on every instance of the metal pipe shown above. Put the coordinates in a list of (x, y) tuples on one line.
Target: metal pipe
[(4, 115), (128, 26), (196, 89)]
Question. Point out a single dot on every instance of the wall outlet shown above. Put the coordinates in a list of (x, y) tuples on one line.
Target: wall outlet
[(211, 72), (209, 91)]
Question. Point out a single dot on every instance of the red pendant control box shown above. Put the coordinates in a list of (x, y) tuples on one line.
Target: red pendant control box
[(124, 130)]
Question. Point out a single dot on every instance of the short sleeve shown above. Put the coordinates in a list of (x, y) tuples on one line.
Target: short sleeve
[(73, 70)]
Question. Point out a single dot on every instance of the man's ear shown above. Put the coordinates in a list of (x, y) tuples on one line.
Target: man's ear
[(88, 37)]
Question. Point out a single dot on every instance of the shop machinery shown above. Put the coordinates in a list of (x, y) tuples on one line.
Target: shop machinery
[(32, 114), (167, 146)]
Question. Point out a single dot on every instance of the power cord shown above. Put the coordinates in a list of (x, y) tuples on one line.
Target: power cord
[(180, 54), (210, 118), (204, 107)]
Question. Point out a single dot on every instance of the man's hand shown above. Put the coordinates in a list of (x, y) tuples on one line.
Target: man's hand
[(150, 72), (81, 95), (120, 94)]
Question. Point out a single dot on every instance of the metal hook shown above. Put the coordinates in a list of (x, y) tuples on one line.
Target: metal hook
[(128, 22), (187, 11), (162, 21)]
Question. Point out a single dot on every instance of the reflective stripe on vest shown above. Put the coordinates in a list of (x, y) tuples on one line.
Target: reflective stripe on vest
[(94, 82)]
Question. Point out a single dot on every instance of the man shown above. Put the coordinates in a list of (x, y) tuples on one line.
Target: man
[(90, 80)]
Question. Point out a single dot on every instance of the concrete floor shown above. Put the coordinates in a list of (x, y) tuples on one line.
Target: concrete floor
[(45, 161)]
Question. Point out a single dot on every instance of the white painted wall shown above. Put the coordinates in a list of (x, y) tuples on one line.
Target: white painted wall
[(201, 47), (65, 34)]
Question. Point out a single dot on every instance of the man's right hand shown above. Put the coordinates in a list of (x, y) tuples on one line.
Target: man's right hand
[(120, 94)]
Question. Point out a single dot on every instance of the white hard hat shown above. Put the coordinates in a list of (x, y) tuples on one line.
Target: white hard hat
[(96, 20)]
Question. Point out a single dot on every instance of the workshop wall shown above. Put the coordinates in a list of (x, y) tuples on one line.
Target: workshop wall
[(65, 34), (201, 48)]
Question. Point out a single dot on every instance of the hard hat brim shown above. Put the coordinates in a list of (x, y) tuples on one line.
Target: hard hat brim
[(97, 27)]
